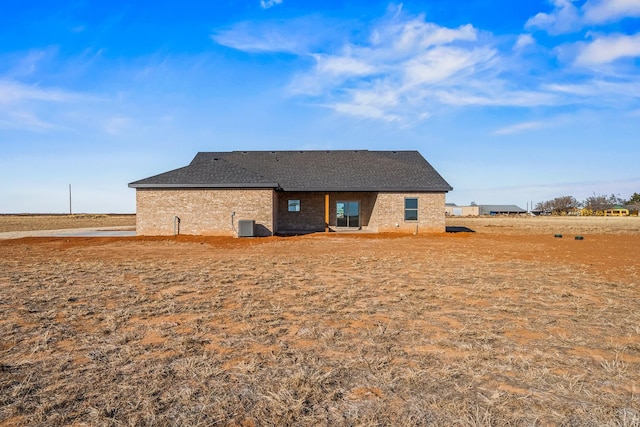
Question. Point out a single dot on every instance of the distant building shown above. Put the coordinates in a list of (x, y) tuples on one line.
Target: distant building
[(451, 209)]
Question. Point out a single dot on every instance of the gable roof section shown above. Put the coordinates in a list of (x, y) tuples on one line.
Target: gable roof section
[(215, 172), (335, 170)]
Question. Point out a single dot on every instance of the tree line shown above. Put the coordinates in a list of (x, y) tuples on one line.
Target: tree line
[(597, 203)]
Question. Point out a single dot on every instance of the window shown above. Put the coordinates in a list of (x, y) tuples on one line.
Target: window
[(410, 209), (294, 205)]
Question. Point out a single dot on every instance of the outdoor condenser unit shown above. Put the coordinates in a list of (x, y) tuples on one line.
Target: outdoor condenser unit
[(246, 228)]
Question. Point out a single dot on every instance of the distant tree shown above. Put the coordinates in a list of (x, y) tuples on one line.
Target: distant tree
[(543, 206), (617, 200), (635, 198), (634, 202), (559, 205), (600, 202)]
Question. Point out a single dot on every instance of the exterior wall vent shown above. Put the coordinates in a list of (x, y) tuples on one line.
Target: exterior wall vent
[(246, 228)]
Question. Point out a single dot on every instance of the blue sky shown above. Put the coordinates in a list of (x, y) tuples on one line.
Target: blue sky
[(511, 101)]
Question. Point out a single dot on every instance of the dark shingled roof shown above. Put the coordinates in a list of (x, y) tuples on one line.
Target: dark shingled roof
[(336, 170)]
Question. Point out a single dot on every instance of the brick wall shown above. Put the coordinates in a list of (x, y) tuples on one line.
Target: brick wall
[(388, 214), (379, 212), (310, 217), (367, 203), (208, 211), (203, 211)]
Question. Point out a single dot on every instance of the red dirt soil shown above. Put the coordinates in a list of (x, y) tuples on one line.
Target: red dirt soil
[(505, 325)]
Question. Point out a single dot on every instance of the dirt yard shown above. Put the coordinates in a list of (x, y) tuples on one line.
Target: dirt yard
[(501, 324)]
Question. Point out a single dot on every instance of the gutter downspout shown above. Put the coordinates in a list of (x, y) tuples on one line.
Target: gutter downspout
[(176, 225), (233, 226)]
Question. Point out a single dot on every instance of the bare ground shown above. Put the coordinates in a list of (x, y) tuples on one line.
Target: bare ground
[(507, 325)]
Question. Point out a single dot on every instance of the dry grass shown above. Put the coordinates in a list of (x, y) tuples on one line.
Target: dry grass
[(469, 329), (59, 222), (551, 224)]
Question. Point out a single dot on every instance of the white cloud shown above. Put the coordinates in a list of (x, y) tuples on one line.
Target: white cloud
[(23, 106), (608, 49), (296, 36), (417, 33), (12, 92), (520, 128), (497, 97), (612, 92), (395, 72), (366, 111), (442, 63), (565, 18), (602, 11), (243, 37), (23, 120), (342, 65), (523, 41), (266, 4), (407, 69)]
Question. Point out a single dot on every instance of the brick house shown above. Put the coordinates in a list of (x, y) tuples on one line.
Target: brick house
[(283, 192)]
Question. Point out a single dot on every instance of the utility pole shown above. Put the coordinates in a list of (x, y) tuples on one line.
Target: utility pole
[(69, 199)]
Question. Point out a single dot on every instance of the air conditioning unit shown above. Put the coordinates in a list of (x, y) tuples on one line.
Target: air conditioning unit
[(246, 228)]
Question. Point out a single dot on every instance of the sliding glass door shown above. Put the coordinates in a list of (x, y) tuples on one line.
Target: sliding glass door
[(348, 214)]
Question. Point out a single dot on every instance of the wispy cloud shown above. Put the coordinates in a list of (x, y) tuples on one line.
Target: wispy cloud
[(297, 36), (566, 17), (395, 73), (31, 107), (523, 41), (266, 4), (494, 95), (407, 67), (12, 92), (603, 11), (28, 63), (608, 49), (255, 38), (18, 119), (603, 91), (520, 128)]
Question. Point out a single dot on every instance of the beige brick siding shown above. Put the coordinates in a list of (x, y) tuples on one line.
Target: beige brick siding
[(203, 211), (310, 217), (388, 214), (367, 204), (208, 211), (379, 212)]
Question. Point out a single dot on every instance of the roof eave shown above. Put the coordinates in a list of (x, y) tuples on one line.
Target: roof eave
[(370, 189), (225, 185)]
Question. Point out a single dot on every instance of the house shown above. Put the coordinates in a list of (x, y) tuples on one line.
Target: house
[(280, 192)]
